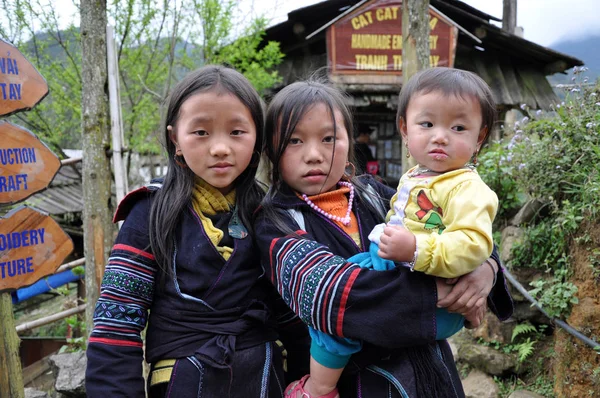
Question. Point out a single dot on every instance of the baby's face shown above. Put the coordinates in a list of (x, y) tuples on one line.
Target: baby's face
[(443, 132)]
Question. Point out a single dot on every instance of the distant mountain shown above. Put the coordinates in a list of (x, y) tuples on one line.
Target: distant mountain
[(586, 49), (49, 46)]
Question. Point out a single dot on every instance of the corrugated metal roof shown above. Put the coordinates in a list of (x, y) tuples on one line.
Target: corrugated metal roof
[(512, 85), (63, 195)]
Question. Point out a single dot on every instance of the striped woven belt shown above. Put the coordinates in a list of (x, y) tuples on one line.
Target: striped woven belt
[(161, 373), (283, 354), (163, 369)]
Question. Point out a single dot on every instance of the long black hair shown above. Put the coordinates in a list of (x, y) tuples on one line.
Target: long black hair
[(171, 200), (284, 112)]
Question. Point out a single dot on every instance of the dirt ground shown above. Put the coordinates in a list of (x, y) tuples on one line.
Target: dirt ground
[(577, 365)]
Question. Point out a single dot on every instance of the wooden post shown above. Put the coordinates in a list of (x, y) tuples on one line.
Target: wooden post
[(97, 226), (509, 24), (415, 48), (11, 377), (509, 16)]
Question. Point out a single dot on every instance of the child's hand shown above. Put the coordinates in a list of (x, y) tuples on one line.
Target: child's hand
[(470, 292), (397, 243)]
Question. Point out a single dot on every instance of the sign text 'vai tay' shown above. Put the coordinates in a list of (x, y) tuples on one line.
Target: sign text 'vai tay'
[(21, 86)]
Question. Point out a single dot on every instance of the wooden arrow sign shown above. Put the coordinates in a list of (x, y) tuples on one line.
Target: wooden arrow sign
[(32, 245), (21, 85), (27, 165)]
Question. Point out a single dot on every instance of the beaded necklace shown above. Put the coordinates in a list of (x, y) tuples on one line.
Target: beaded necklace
[(344, 220)]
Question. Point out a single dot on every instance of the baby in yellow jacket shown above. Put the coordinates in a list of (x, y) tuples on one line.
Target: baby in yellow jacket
[(440, 221)]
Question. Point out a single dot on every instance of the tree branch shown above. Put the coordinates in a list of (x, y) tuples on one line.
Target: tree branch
[(147, 89)]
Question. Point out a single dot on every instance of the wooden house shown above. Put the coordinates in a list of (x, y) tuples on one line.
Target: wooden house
[(358, 44)]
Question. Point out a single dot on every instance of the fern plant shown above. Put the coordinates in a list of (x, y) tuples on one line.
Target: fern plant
[(525, 348), (522, 328)]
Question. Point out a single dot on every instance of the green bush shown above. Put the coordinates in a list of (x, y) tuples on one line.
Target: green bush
[(497, 170), (553, 157)]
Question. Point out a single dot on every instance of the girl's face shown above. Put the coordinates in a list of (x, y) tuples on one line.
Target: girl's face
[(216, 134), (314, 159), (442, 132)]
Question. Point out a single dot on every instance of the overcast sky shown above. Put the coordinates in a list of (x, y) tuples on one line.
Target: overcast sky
[(544, 21), (549, 21)]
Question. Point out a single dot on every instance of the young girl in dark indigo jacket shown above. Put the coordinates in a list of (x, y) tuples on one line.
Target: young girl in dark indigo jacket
[(184, 254), (316, 215)]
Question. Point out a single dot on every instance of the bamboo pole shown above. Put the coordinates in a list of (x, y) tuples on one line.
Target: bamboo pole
[(65, 162), (70, 265), (49, 319), (11, 377), (115, 114)]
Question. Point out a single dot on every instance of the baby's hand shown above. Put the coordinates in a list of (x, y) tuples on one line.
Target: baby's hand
[(397, 243)]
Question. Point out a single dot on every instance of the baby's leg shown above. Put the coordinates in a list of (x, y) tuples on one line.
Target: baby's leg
[(321, 383), (322, 380)]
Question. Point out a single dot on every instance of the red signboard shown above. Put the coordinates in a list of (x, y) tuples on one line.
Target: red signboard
[(27, 165), (21, 86), (32, 245), (369, 40)]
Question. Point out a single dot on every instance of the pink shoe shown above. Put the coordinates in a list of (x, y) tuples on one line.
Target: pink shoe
[(296, 390)]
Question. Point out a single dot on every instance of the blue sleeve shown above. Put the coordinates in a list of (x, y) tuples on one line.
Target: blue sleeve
[(330, 351), (447, 324)]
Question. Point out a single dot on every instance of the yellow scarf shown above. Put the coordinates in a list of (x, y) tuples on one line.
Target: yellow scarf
[(208, 200)]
